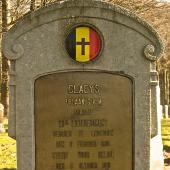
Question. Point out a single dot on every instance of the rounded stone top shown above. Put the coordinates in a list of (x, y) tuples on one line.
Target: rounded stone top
[(77, 9)]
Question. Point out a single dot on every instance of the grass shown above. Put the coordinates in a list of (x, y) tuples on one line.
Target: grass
[(7, 151), (166, 141), (166, 133)]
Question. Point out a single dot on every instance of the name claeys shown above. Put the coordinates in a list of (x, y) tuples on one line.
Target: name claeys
[(84, 89)]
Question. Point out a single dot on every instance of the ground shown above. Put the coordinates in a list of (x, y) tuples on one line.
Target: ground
[(166, 142), (8, 148), (7, 152)]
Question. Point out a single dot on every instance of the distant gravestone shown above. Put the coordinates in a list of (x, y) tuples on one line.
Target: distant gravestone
[(83, 88), (2, 129)]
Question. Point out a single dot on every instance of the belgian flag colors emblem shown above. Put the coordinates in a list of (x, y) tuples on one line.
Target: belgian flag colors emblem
[(83, 44)]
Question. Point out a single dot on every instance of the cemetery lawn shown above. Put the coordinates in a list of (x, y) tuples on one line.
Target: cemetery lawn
[(7, 151), (166, 140)]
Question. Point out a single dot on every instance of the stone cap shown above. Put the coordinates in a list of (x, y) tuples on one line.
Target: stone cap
[(35, 19)]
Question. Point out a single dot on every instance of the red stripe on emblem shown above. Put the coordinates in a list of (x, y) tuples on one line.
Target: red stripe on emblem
[(95, 44)]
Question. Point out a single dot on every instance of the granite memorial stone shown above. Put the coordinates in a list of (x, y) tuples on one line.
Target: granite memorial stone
[(82, 88)]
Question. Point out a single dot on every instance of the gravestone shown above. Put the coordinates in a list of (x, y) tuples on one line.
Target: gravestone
[(83, 88), (2, 129)]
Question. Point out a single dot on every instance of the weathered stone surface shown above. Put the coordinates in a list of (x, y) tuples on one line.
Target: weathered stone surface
[(35, 46)]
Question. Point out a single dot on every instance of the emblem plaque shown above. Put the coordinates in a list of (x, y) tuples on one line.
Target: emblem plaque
[(83, 44)]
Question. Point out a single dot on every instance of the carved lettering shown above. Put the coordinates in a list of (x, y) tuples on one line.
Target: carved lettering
[(84, 154), (88, 165), (106, 165), (102, 133), (62, 133), (81, 123), (60, 144), (60, 155), (105, 154), (87, 143), (83, 89), (89, 123), (81, 101), (105, 143), (60, 166)]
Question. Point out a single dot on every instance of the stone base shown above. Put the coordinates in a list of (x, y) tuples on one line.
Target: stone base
[(156, 159), (2, 129)]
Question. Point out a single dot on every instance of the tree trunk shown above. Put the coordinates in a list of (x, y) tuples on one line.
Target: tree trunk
[(43, 2), (5, 65), (32, 6)]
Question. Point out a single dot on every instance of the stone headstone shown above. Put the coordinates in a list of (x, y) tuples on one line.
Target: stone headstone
[(83, 88), (157, 160)]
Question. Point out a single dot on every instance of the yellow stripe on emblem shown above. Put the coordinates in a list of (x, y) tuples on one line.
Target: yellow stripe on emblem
[(82, 44)]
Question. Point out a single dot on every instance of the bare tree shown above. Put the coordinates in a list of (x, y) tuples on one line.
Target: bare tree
[(32, 5), (5, 65), (43, 2)]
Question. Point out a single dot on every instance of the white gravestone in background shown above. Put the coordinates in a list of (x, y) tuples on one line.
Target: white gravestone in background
[(2, 130)]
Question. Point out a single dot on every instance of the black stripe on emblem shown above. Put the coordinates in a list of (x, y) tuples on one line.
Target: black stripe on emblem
[(71, 44)]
